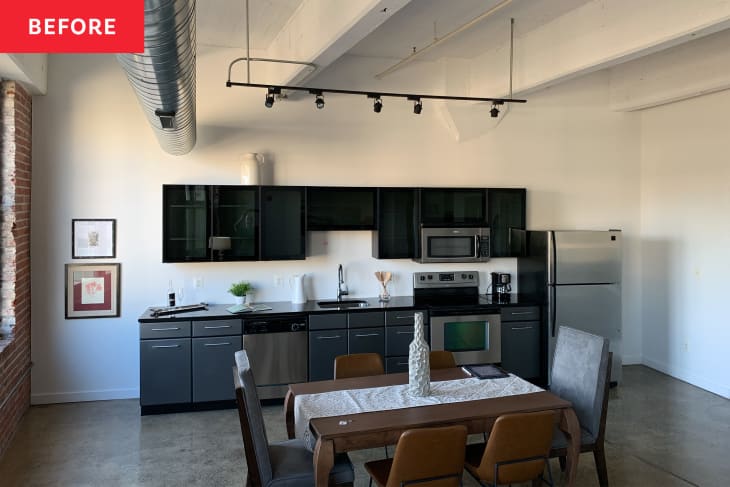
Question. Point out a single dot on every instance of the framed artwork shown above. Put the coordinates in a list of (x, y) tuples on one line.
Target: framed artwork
[(92, 290), (93, 239)]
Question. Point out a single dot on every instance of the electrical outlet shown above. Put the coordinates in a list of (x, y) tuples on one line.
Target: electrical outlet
[(198, 282), (277, 281)]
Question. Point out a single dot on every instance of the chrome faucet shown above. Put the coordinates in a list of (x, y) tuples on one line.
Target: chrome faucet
[(341, 286)]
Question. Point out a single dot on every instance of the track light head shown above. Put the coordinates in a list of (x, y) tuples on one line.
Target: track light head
[(319, 101), (494, 112), (377, 105), (270, 92), (417, 106)]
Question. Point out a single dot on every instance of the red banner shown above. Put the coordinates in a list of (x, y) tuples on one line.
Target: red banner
[(80, 26)]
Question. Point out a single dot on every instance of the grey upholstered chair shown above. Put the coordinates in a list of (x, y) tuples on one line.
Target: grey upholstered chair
[(286, 463), (580, 374)]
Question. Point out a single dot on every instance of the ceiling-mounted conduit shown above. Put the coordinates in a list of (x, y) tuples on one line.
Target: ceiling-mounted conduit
[(163, 77)]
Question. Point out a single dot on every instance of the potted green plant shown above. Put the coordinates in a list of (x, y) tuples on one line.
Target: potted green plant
[(239, 290)]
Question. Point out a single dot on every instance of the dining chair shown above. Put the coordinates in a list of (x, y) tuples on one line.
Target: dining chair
[(516, 451), (581, 374), (432, 457), (358, 365), (441, 359), (285, 463)]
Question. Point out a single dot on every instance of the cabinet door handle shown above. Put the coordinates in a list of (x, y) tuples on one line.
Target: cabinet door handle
[(216, 344), (401, 363), (217, 327), (403, 317), (165, 346), (517, 313), (171, 328), (528, 327), (328, 338), (404, 333), (361, 335)]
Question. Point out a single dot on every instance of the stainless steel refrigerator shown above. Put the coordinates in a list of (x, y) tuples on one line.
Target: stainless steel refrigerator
[(576, 274)]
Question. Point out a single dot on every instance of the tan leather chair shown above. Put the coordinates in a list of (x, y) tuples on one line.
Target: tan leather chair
[(432, 457), (516, 451), (358, 365), (441, 359)]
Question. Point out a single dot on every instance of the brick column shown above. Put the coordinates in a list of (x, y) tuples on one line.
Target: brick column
[(15, 161)]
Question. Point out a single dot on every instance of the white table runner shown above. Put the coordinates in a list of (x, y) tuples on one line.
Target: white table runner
[(352, 401)]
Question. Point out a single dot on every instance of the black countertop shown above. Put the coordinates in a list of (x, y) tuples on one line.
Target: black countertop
[(218, 311)]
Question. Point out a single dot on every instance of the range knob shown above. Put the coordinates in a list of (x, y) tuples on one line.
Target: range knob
[(423, 278), (463, 277), (430, 277), (471, 276)]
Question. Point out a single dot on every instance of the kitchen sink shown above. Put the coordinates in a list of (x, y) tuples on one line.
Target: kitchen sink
[(345, 303)]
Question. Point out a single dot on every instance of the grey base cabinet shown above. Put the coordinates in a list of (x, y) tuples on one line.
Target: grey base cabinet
[(324, 346), (164, 371), (521, 341), (211, 367)]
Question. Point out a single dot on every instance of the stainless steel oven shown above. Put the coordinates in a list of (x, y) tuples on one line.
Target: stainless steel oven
[(459, 321), (469, 244), (473, 338)]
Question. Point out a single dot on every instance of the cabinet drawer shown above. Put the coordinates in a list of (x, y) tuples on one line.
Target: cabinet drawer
[(521, 313), (404, 317), (367, 340), (394, 365), (398, 338), (216, 327), (366, 319), (328, 321), (170, 329)]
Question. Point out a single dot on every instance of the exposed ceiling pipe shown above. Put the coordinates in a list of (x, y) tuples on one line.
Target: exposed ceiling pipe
[(436, 42), (163, 77)]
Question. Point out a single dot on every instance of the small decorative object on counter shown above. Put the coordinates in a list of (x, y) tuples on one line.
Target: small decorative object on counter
[(239, 291), (383, 278), (419, 370), (297, 283), (171, 295)]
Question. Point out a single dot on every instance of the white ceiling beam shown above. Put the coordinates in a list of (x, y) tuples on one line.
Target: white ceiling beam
[(320, 31), (28, 69), (597, 35)]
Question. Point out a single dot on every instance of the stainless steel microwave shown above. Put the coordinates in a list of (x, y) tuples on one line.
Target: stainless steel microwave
[(468, 244)]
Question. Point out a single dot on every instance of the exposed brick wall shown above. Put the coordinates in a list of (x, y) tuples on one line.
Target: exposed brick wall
[(15, 159)]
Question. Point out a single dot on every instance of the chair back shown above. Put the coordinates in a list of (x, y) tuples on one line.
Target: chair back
[(255, 442), (579, 375), (429, 453), (514, 439), (358, 365), (441, 359)]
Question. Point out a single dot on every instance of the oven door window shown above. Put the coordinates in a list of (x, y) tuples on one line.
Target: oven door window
[(466, 336), (451, 247)]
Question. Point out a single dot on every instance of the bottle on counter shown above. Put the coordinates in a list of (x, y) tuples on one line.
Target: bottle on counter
[(171, 295)]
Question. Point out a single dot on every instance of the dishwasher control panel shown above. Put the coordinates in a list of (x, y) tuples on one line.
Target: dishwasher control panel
[(274, 325)]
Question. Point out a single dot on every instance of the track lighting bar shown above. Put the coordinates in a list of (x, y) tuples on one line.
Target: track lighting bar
[(319, 92)]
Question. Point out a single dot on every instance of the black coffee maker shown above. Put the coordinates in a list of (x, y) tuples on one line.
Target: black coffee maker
[(501, 285)]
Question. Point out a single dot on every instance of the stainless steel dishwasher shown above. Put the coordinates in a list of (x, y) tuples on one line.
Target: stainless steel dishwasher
[(277, 350)]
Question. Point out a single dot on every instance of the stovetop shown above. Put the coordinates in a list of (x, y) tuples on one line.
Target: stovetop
[(447, 292)]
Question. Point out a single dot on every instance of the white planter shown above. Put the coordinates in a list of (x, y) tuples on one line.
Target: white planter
[(239, 299)]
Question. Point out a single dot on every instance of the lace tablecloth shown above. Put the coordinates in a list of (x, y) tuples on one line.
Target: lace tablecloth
[(352, 401)]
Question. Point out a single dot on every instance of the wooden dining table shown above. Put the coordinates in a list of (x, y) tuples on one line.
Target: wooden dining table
[(359, 431)]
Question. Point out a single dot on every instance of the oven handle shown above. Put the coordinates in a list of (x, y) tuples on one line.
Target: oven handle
[(462, 312)]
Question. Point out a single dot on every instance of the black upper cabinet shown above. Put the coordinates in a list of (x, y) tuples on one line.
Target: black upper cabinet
[(185, 223), (192, 214), (234, 214), (333, 208), (282, 223), (453, 207), (506, 210), (396, 235)]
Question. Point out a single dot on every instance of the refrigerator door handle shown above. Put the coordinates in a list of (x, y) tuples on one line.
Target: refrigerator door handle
[(551, 310)]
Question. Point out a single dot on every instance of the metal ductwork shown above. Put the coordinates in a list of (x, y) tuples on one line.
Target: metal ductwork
[(163, 77)]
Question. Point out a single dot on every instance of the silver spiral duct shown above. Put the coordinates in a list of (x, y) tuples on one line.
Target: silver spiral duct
[(163, 77)]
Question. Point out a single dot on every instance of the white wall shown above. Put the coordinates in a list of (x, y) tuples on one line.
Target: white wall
[(685, 203), (95, 156)]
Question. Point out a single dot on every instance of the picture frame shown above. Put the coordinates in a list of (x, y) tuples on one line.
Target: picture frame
[(93, 238), (93, 290)]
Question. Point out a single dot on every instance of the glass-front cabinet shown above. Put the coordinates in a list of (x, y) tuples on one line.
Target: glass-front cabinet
[(453, 207), (204, 223)]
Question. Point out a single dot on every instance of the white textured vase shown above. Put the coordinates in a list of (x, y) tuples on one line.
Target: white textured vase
[(419, 371)]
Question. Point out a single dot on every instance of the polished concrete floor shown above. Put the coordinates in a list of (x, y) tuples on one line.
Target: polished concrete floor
[(660, 432)]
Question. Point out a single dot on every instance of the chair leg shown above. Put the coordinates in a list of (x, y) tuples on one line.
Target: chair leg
[(561, 460), (599, 454)]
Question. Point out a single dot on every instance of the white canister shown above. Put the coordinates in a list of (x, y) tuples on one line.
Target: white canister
[(297, 284), (250, 168)]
